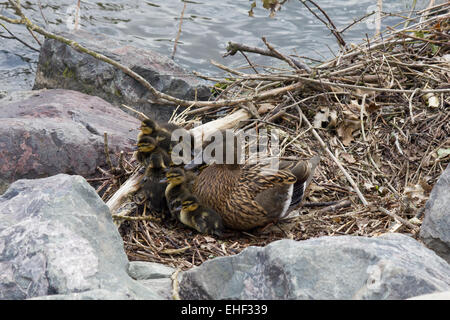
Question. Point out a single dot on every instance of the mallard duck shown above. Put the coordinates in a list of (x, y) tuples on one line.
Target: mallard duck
[(146, 146), (152, 187), (200, 218), (178, 186), (249, 197)]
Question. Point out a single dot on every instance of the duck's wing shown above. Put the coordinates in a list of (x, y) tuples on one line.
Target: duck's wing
[(256, 181)]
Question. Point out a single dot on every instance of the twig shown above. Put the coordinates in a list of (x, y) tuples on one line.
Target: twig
[(335, 207), (356, 21), (400, 219), (108, 158), (378, 17), (233, 48), (319, 204), (142, 115), (362, 117), (330, 25), (249, 62), (128, 218), (413, 7), (42, 13), (179, 31), (16, 38), (410, 104), (283, 57), (77, 15)]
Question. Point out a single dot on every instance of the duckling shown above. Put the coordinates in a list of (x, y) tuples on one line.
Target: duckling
[(249, 197), (160, 132), (200, 218), (145, 147), (154, 189), (177, 188)]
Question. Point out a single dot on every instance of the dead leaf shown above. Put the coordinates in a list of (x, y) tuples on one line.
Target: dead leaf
[(425, 186), (372, 107), (442, 153), (431, 100), (325, 118), (209, 239), (368, 186), (348, 157), (346, 129), (265, 107), (415, 193)]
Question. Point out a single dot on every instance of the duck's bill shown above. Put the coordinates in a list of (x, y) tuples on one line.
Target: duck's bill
[(164, 180)]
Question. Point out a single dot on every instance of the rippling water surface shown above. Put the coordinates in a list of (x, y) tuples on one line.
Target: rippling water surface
[(206, 29)]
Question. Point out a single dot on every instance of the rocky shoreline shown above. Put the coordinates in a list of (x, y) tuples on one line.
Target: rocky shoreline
[(57, 238)]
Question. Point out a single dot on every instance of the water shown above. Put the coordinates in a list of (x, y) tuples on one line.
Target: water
[(207, 28)]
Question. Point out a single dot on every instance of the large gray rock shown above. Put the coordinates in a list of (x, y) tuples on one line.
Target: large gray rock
[(155, 276), (433, 296), (57, 239), (346, 267), (143, 270), (435, 229), (47, 132), (61, 66)]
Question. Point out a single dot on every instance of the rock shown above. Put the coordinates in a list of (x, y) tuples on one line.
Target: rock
[(155, 276), (99, 294), (142, 270), (47, 132), (57, 239), (433, 296), (346, 267), (435, 229), (61, 66), (162, 287)]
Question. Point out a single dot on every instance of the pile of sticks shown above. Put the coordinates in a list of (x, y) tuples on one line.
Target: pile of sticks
[(378, 113)]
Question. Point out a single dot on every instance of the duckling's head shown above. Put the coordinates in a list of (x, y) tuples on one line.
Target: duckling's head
[(146, 144), (156, 161), (148, 126), (190, 203), (175, 176)]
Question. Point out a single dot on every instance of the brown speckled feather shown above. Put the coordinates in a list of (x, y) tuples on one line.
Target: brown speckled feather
[(234, 194)]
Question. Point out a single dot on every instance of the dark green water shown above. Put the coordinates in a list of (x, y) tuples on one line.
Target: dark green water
[(206, 29)]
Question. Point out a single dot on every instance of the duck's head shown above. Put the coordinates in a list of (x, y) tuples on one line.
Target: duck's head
[(221, 147), (148, 126), (146, 144), (175, 176)]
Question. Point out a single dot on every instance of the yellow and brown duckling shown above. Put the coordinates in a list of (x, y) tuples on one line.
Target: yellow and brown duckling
[(248, 197), (177, 188), (160, 132), (152, 186), (200, 218), (146, 146)]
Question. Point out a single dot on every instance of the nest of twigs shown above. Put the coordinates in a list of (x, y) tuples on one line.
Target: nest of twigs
[(379, 113)]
